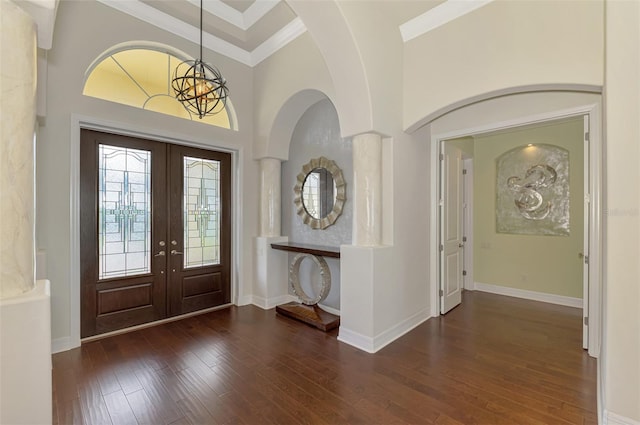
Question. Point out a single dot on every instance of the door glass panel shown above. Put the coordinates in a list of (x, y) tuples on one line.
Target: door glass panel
[(124, 211), (201, 212)]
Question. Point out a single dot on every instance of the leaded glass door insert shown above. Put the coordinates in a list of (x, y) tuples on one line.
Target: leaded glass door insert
[(123, 226), (200, 229), (124, 209), (155, 231), (201, 212)]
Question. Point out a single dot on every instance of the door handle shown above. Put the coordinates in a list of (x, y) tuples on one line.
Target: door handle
[(174, 252), (160, 254), (460, 245)]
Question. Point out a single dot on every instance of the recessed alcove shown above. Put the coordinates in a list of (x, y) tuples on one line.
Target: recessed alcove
[(317, 134)]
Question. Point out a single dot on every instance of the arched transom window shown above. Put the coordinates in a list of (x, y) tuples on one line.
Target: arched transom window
[(141, 77)]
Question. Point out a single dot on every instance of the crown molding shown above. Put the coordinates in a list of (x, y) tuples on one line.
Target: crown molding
[(177, 27), (256, 11), (287, 34), (438, 16), (241, 20), (222, 11)]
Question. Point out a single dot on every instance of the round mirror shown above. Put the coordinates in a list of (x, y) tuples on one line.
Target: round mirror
[(320, 193)]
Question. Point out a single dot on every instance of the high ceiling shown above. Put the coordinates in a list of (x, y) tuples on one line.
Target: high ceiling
[(248, 30), (244, 23), (245, 30)]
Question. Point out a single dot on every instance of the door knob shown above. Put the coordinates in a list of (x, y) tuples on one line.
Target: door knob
[(160, 254), (174, 252)]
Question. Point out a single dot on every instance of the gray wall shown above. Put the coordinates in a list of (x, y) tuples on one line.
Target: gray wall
[(318, 134)]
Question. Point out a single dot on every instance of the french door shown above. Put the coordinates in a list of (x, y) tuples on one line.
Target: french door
[(155, 231)]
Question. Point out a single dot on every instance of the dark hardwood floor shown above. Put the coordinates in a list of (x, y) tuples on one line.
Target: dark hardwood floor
[(492, 360)]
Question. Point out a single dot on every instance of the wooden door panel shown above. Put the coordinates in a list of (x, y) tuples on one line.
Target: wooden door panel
[(115, 300), (202, 291), (165, 285), (111, 303), (196, 287), (201, 284)]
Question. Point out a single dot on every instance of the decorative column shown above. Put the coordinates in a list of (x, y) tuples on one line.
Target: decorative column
[(17, 175), (270, 198), (367, 190), (25, 307), (366, 266), (271, 266)]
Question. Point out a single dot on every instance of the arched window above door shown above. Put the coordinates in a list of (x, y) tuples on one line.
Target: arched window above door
[(140, 75)]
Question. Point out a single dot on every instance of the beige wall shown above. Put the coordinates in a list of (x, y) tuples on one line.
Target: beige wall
[(375, 33), (334, 39), (277, 80), (621, 349), (465, 144), (548, 264), (500, 47), (503, 45), (78, 40)]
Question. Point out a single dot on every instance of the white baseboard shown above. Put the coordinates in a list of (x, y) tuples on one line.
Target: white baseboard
[(356, 339), (244, 300), (59, 345), (528, 295), (269, 303), (326, 308), (611, 418), (372, 345)]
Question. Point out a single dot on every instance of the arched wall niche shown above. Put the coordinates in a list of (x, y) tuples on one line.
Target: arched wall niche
[(286, 120)]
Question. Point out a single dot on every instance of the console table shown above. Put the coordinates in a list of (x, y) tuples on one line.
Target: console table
[(307, 310)]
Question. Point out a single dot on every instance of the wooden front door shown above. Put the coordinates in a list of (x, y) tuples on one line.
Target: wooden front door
[(155, 231), (199, 229)]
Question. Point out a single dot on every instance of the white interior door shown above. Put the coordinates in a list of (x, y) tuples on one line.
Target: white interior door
[(451, 234), (467, 226)]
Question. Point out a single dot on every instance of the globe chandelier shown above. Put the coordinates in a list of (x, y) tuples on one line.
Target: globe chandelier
[(200, 87)]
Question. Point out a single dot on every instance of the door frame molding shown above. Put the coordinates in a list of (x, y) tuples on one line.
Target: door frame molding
[(596, 247), (467, 165), (79, 122)]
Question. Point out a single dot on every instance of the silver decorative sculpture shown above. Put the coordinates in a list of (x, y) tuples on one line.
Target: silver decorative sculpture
[(532, 189)]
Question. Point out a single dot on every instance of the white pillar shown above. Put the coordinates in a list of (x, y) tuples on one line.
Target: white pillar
[(25, 308), (367, 190), (270, 287), (17, 179), (270, 197)]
